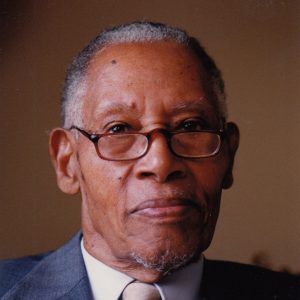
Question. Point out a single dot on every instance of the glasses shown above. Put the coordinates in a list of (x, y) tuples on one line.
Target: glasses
[(134, 145)]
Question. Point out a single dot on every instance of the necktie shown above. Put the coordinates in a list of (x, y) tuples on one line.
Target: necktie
[(140, 291)]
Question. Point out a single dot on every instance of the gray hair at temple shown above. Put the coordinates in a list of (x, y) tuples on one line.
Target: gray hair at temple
[(137, 32)]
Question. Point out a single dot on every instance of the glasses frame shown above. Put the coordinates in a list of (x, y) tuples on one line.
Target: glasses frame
[(95, 137)]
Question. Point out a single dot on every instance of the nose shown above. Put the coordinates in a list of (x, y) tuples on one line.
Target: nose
[(160, 164)]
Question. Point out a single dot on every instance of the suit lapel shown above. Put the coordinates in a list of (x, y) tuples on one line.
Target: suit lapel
[(81, 291), (61, 275), (211, 287)]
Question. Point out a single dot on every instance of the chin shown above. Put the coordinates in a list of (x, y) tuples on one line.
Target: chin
[(167, 254), (166, 258), (171, 246)]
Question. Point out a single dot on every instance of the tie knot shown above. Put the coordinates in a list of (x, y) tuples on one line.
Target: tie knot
[(140, 291)]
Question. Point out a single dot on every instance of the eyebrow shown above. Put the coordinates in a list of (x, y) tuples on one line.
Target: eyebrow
[(191, 105), (115, 107)]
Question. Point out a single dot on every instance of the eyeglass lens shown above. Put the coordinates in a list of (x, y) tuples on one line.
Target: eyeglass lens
[(185, 144)]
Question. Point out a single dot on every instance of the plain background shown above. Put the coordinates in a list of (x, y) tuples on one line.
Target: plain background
[(256, 43)]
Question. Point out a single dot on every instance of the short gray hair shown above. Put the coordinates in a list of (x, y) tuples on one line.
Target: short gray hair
[(75, 82)]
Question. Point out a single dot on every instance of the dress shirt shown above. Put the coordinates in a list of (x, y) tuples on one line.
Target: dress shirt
[(108, 283)]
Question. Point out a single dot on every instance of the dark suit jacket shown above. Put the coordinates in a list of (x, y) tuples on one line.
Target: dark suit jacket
[(62, 275)]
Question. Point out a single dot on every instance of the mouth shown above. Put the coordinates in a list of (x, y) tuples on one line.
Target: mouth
[(166, 208)]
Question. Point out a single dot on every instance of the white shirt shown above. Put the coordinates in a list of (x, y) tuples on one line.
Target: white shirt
[(108, 283)]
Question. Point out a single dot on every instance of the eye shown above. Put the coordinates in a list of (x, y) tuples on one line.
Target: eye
[(118, 128), (192, 125)]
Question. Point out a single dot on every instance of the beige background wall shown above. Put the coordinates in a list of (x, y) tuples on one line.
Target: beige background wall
[(255, 42)]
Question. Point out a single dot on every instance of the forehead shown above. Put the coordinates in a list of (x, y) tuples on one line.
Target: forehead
[(170, 51), (138, 75)]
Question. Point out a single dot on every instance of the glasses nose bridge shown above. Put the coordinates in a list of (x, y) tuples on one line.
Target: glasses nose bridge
[(157, 132)]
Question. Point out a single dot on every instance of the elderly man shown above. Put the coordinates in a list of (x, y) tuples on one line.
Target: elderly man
[(146, 143)]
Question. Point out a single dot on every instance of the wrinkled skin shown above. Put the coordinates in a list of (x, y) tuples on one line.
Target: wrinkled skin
[(159, 206)]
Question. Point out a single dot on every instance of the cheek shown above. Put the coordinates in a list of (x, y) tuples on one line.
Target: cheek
[(102, 183), (209, 174)]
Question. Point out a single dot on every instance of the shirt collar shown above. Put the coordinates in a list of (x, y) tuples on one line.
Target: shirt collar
[(184, 283), (108, 284)]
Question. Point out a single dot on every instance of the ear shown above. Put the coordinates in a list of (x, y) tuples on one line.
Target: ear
[(61, 149), (232, 140)]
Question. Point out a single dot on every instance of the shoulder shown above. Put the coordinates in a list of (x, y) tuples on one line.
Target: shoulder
[(249, 282), (13, 270), (59, 274)]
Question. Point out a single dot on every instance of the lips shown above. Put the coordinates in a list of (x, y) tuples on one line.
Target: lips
[(166, 208)]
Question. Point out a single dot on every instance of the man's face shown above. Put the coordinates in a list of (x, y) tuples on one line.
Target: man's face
[(158, 210)]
